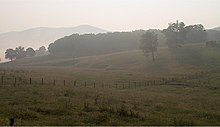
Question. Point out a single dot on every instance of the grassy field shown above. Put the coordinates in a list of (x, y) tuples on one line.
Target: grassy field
[(185, 92)]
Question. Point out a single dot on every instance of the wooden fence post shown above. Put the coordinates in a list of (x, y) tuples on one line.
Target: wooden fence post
[(54, 82), (85, 84), (11, 121), (64, 82), (94, 84)]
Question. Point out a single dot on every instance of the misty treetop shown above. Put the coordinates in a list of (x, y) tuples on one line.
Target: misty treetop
[(17, 53), (196, 34), (178, 34), (20, 52), (93, 44)]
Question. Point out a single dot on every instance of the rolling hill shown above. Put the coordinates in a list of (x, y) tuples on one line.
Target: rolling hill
[(187, 59), (216, 28)]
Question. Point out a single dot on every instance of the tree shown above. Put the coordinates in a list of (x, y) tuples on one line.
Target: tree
[(41, 51), (196, 34), (30, 52), (10, 54), (20, 52), (175, 34), (149, 43)]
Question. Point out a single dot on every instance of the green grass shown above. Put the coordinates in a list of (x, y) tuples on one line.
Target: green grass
[(192, 99)]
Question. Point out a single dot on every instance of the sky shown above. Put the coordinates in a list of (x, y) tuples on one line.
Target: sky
[(112, 15)]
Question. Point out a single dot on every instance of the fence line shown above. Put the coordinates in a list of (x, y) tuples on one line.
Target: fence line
[(7, 80)]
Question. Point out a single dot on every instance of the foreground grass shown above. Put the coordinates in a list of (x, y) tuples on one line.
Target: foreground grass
[(195, 103)]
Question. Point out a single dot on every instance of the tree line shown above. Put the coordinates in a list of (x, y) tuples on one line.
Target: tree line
[(177, 34), (174, 36), (20, 52)]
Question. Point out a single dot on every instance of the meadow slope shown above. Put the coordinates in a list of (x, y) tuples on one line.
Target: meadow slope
[(124, 88)]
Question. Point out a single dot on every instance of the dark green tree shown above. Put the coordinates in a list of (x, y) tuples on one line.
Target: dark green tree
[(149, 43), (30, 52), (10, 54), (20, 52), (175, 34), (196, 34)]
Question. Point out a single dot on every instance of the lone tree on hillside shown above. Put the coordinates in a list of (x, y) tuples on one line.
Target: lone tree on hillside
[(149, 43), (30, 52)]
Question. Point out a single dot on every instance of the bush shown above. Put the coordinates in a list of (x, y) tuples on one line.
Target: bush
[(4, 122)]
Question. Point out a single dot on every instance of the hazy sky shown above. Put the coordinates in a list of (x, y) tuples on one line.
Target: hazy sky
[(113, 15)]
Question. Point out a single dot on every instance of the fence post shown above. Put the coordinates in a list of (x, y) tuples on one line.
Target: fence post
[(85, 84), (11, 120), (64, 82), (94, 84), (42, 81), (54, 82)]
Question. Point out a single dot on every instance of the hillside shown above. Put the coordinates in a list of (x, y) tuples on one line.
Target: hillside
[(99, 44), (41, 36), (64, 90), (216, 28), (189, 58)]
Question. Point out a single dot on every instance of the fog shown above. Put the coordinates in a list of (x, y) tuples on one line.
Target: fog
[(109, 62), (113, 15)]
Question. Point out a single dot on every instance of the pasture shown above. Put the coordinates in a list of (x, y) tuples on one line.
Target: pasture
[(115, 89)]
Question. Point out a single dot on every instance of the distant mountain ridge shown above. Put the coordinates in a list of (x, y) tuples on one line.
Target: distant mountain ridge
[(41, 36), (82, 29)]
